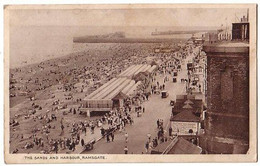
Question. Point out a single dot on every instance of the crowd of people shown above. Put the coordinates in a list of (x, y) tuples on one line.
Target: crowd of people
[(195, 81), (56, 89), (89, 68)]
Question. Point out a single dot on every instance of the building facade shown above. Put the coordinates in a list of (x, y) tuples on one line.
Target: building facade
[(227, 116)]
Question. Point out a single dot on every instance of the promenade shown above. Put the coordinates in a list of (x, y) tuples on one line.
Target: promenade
[(156, 108)]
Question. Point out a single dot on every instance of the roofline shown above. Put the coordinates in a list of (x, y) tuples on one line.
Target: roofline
[(184, 121)]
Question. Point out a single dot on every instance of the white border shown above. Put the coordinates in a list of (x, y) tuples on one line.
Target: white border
[(3, 2)]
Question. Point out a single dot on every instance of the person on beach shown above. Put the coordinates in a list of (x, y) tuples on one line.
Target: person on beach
[(149, 137), (146, 147), (170, 131), (126, 150), (108, 139), (112, 136), (158, 123), (82, 142), (126, 137)]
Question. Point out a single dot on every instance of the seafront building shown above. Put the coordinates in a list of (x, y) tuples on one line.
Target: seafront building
[(113, 93), (227, 115)]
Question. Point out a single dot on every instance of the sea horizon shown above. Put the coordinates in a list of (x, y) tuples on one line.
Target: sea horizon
[(33, 44)]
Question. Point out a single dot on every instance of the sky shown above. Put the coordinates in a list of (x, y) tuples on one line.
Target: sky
[(126, 17)]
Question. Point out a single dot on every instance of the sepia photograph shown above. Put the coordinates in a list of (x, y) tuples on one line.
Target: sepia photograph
[(114, 83)]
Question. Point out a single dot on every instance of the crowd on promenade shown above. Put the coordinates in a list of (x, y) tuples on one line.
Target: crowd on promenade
[(55, 132)]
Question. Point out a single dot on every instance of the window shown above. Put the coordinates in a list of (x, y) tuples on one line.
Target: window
[(227, 84)]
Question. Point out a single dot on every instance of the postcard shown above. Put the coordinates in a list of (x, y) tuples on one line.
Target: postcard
[(130, 83)]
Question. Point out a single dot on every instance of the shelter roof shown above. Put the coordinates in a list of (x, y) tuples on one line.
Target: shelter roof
[(186, 116)]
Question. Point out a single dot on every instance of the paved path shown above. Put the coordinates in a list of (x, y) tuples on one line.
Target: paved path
[(155, 108), (88, 137)]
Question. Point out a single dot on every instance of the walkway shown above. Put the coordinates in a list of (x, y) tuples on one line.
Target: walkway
[(156, 108)]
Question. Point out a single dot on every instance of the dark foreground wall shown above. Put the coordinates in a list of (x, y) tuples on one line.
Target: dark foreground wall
[(227, 117)]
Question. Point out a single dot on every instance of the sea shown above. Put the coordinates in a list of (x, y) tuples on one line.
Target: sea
[(33, 44)]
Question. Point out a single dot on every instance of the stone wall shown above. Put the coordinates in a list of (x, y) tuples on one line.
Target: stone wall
[(227, 114)]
